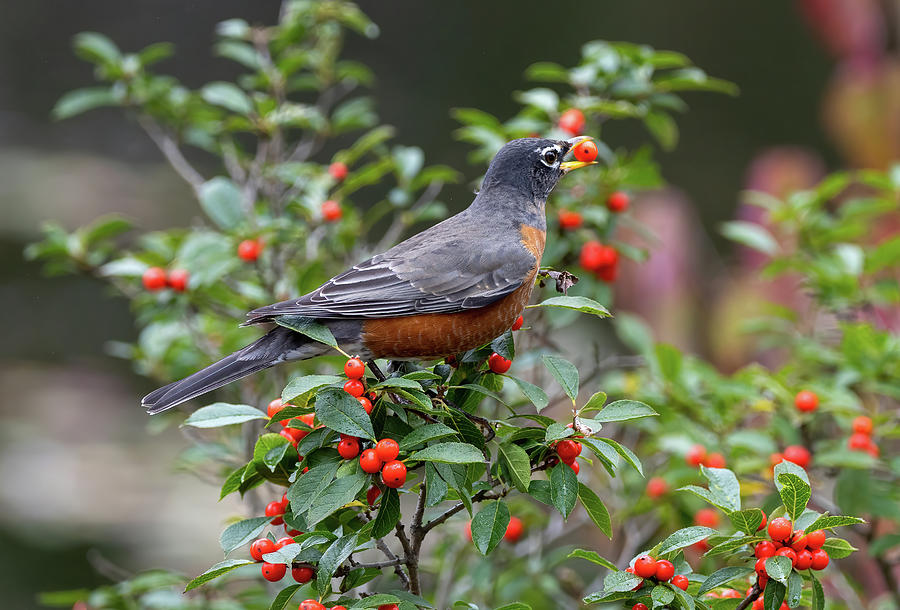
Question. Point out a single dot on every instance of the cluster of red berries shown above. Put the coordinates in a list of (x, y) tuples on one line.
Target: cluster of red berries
[(602, 260), (804, 550), (273, 572), (861, 439), (514, 530), (293, 435), (568, 450), (383, 457), (656, 571), (155, 278), (697, 455), (355, 370), (797, 454)]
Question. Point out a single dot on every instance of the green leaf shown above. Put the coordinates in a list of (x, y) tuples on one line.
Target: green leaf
[(838, 548), (683, 538), (221, 201), (343, 414), (557, 431), (661, 595), (593, 557), (536, 395), (621, 581), (774, 594), (436, 487), (682, 598), (669, 359), (424, 434), (303, 492), (750, 234), (788, 467), (622, 410), (595, 509), (96, 48), (517, 463), (625, 452), (724, 486), (75, 102), (663, 127), (514, 606), (795, 493), (747, 521), (794, 589), (227, 95), (340, 492), (223, 414), (563, 489), (818, 594), (778, 568), (373, 601), (283, 598), (223, 567), (308, 327), (829, 521), (542, 98), (388, 513), (735, 542), (449, 453), (577, 303), (489, 526), (505, 345), (723, 576), (300, 389), (564, 372), (540, 491), (240, 533), (331, 560)]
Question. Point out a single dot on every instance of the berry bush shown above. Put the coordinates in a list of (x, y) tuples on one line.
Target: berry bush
[(464, 482)]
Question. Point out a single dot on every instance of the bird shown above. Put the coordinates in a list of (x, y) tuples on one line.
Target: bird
[(453, 287)]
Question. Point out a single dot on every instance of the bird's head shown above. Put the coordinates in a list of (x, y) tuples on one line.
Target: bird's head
[(532, 166)]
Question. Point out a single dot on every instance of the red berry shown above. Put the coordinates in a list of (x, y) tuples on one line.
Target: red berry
[(338, 608), (290, 437), (369, 461), (572, 120), (665, 570), (514, 529), (608, 274), (804, 560), (758, 604), (585, 151), (178, 279), (574, 466), (348, 448), (657, 487), (331, 211), (639, 606), (568, 450), (760, 567), (873, 450), (388, 607), (762, 523), (366, 403), (797, 454), (780, 529), (695, 455), (798, 540), (354, 368), (310, 604), (338, 170), (354, 387), (288, 530), (789, 553), (862, 425), (498, 364), (595, 256), (296, 434), (775, 459), (806, 401), (372, 495), (394, 474), (714, 460), (260, 547), (273, 572), (819, 559), (701, 547), (249, 249), (731, 594), (815, 540), (645, 566), (469, 530), (570, 220), (518, 323), (282, 542), (859, 441), (308, 419), (302, 574), (154, 279), (387, 449), (275, 509), (274, 407), (680, 581), (630, 570), (617, 201), (764, 549), (707, 517)]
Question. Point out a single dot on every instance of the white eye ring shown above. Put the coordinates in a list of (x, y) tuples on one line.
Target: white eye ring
[(550, 156)]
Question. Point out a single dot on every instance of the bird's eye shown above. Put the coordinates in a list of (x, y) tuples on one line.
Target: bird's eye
[(550, 156)]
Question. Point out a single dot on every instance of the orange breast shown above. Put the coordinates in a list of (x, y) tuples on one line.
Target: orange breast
[(438, 335)]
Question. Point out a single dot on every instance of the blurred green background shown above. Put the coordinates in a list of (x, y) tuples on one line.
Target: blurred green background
[(87, 489)]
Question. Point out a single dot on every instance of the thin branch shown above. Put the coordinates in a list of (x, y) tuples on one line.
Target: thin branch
[(398, 570), (751, 597), (390, 563), (412, 584), (168, 146)]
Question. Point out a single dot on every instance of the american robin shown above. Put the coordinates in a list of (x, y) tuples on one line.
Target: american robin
[(451, 288)]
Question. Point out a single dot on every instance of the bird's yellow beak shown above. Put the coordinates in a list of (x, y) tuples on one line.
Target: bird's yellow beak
[(568, 166)]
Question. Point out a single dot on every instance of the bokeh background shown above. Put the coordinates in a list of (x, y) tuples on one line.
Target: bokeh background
[(88, 489)]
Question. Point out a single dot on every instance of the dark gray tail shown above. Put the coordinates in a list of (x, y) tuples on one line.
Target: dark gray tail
[(274, 347)]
